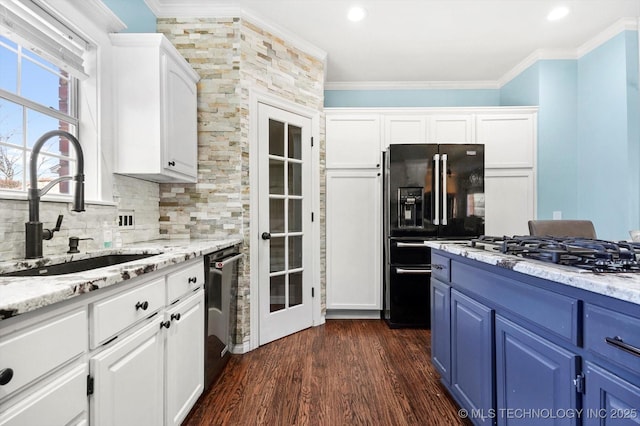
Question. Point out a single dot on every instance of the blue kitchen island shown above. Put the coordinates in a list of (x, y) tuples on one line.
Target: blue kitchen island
[(519, 341)]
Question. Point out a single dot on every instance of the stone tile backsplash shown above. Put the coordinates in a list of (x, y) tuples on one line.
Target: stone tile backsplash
[(131, 194)]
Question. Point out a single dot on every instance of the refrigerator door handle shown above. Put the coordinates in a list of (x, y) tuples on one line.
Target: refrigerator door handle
[(402, 271), (414, 245), (444, 189), (436, 181)]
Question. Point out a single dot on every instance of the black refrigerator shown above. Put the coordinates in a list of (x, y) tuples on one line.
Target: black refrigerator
[(431, 191)]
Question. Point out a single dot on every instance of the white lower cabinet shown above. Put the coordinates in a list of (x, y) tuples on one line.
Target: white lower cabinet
[(128, 380), (133, 355), (61, 401), (184, 357)]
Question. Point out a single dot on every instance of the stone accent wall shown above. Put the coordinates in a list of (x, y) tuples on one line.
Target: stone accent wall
[(129, 193), (232, 55)]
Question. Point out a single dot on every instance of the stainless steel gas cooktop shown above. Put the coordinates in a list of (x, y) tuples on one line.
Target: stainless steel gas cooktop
[(588, 254)]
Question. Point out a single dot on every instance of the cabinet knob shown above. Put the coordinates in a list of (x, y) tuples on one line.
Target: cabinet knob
[(193, 280), (6, 374), (175, 317), (165, 324), (142, 305), (172, 163)]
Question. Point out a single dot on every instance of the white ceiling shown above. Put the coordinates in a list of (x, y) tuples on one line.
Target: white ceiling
[(455, 42)]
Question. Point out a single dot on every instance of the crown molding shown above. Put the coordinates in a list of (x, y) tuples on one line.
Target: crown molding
[(537, 55), (205, 9), (624, 24), (409, 85)]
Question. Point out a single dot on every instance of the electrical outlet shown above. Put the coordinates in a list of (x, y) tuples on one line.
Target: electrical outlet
[(126, 219), (557, 215)]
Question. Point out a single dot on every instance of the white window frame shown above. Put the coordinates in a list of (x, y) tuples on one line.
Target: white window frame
[(93, 21), (70, 117)]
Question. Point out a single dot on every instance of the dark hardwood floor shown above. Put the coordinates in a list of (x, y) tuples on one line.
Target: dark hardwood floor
[(346, 372)]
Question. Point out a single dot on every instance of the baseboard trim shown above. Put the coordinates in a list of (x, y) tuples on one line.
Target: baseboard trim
[(352, 314)]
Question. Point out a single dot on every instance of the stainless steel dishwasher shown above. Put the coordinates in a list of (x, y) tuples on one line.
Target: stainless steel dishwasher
[(221, 287)]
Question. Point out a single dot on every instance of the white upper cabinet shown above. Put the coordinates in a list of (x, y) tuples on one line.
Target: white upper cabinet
[(353, 141), (510, 139), (451, 128), (405, 129), (155, 111)]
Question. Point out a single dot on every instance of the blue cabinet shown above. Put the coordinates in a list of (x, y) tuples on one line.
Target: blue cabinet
[(441, 328), (609, 400), (472, 356), (533, 375)]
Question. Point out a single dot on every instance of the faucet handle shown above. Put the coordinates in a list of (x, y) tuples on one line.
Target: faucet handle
[(47, 234)]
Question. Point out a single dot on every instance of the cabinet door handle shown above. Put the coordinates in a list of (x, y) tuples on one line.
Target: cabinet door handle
[(412, 245), (175, 317), (165, 324), (620, 344), (6, 374), (142, 305), (437, 266), (192, 280)]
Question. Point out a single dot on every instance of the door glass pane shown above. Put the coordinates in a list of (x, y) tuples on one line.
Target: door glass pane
[(277, 254), (276, 293), (295, 289), (295, 215), (295, 179), (276, 215), (276, 138), (276, 177), (294, 142), (295, 252)]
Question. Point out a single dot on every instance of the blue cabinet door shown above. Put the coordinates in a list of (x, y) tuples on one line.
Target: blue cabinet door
[(609, 400), (441, 328), (472, 357), (534, 379)]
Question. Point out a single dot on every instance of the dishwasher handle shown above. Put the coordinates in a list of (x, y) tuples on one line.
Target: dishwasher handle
[(219, 264)]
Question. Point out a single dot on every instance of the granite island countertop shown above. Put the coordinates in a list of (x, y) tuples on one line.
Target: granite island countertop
[(19, 295), (623, 286)]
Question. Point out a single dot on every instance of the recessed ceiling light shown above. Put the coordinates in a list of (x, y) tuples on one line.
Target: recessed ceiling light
[(558, 13), (356, 14)]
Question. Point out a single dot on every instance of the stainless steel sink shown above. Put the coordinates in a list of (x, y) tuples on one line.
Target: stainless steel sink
[(78, 265)]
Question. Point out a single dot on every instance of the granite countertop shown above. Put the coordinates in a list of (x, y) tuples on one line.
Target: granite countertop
[(623, 286), (23, 294)]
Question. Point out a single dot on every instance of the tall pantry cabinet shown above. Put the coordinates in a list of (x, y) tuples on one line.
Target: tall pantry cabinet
[(355, 140)]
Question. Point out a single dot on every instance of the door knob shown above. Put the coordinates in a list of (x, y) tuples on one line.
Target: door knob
[(266, 236)]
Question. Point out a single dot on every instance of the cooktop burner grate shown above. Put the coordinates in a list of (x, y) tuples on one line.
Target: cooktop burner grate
[(588, 254)]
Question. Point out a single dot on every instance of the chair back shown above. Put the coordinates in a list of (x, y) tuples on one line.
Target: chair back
[(562, 228)]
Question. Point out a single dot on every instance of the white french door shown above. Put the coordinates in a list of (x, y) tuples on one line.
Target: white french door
[(285, 261)]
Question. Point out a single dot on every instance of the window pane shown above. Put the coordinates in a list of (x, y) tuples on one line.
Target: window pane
[(11, 123), (38, 124), (50, 168), (11, 168), (276, 293), (45, 87), (8, 70), (295, 252), (295, 289), (295, 145), (276, 138)]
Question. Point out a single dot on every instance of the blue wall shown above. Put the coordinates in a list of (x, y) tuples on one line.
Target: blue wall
[(411, 98), (135, 14), (607, 96)]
